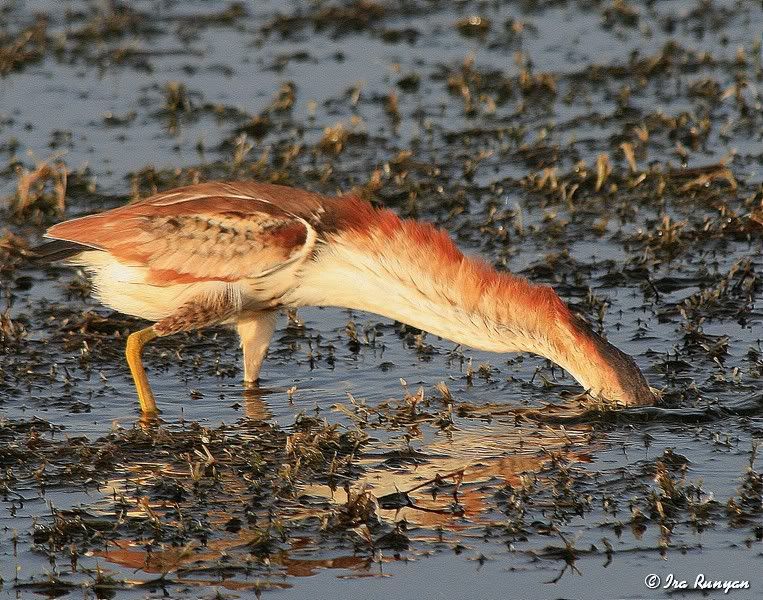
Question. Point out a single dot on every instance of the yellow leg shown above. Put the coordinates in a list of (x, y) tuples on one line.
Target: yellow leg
[(135, 343)]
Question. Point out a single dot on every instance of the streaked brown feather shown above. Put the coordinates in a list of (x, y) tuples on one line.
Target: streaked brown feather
[(199, 233)]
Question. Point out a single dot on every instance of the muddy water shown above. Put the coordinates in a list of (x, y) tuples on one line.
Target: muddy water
[(510, 124)]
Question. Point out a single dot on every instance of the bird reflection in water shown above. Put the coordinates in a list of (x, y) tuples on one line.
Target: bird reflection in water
[(446, 485)]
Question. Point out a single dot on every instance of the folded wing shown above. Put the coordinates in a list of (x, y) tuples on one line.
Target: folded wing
[(216, 232)]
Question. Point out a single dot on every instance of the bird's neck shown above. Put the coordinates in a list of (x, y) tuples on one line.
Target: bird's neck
[(417, 276), (414, 293)]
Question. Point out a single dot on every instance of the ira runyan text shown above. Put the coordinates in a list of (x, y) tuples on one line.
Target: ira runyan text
[(701, 582)]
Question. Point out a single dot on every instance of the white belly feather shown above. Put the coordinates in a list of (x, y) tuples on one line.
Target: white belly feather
[(124, 288)]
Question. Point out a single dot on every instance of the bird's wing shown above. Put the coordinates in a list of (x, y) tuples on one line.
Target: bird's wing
[(205, 232)]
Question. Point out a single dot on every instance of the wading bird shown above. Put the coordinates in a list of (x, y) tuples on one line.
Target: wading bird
[(235, 253)]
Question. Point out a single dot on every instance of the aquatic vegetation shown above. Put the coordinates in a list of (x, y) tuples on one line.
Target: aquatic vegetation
[(40, 191), (24, 47)]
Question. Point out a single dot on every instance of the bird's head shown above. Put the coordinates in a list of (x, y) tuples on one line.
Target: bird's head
[(604, 370)]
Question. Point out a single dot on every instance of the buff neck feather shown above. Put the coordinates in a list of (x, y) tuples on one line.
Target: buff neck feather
[(413, 273)]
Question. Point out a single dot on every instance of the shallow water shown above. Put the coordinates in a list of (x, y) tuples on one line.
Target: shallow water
[(556, 503)]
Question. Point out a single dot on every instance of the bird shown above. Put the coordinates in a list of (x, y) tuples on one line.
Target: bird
[(235, 253)]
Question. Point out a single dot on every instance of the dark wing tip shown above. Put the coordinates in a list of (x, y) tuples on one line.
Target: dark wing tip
[(56, 250)]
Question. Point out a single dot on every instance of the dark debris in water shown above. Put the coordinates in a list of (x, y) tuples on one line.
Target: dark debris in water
[(242, 503)]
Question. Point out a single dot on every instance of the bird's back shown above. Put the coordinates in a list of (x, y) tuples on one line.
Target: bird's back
[(149, 257)]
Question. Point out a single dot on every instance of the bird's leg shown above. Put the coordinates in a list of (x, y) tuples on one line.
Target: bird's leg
[(192, 315), (255, 406), (255, 331), (135, 343)]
